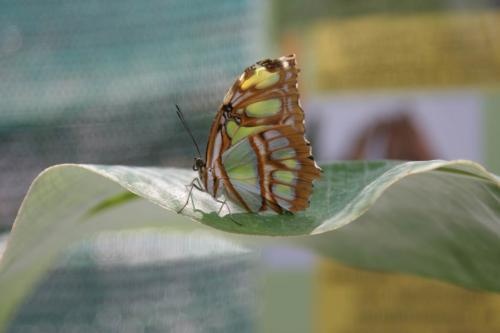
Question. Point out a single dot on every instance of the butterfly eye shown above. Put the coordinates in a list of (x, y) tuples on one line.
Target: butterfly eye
[(198, 164)]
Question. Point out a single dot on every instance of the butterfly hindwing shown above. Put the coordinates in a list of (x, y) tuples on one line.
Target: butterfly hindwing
[(241, 165), (273, 165)]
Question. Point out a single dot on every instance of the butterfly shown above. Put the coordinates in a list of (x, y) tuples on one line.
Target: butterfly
[(257, 154)]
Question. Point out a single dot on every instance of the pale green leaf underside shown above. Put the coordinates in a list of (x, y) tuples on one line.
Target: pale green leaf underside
[(435, 218)]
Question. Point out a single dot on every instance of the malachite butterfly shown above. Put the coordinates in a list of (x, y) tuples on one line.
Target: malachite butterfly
[(257, 155)]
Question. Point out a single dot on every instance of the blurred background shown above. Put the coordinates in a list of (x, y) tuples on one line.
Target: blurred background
[(97, 81)]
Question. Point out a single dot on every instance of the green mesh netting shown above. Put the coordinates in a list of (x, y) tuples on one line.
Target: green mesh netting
[(146, 282), (96, 81)]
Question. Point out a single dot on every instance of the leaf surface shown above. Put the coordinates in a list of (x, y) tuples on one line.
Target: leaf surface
[(439, 219)]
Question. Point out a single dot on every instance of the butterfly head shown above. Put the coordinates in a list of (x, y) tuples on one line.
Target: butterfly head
[(198, 165)]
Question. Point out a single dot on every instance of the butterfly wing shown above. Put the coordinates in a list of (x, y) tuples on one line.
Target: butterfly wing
[(254, 168), (266, 94), (271, 169)]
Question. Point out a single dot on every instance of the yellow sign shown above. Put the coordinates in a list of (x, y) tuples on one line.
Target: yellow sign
[(357, 301), (380, 51)]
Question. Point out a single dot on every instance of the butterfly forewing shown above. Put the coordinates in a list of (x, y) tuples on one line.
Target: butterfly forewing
[(266, 94)]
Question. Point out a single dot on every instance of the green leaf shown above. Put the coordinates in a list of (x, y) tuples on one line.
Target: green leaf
[(435, 218)]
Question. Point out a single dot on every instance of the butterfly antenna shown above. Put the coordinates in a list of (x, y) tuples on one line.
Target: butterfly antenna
[(183, 121)]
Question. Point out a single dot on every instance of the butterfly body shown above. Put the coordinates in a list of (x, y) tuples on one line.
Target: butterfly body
[(257, 154)]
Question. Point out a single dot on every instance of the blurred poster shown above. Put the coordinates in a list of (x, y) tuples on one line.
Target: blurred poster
[(407, 126), (357, 301), (420, 49)]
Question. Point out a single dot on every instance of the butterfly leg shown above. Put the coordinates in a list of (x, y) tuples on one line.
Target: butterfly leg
[(224, 203), (194, 184)]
